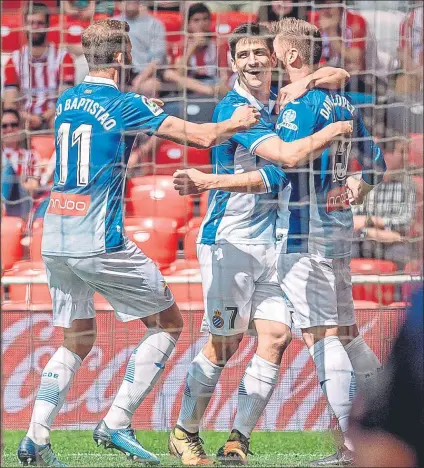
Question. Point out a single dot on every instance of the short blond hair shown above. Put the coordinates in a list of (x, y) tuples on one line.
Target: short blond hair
[(102, 40), (302, 36)]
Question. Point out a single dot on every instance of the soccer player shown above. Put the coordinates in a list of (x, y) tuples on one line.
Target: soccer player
[(236, 250), (313, 265), (84, 246)]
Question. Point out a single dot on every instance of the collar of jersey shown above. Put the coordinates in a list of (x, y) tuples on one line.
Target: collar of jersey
[(242, 92), (98, 80)]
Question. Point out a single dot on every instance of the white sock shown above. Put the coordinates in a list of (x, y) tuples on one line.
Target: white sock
[(364, 362), (146, 365), (56, 380), (201, 381), (336, 377), (255, 390)]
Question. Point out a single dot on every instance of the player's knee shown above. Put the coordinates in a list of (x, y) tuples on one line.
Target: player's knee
[(347, 334), (80, 338), (314, 334), (281, 340), (220, 349), (81, 346)]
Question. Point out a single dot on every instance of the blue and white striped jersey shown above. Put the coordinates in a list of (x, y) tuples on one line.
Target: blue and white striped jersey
[(320, 219), (241, 218), (85, 213)]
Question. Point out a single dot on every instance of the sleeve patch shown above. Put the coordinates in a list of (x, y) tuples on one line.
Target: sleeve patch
[(152, 106)]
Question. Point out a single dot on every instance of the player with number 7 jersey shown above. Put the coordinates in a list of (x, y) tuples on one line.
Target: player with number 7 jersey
[(84, 246)]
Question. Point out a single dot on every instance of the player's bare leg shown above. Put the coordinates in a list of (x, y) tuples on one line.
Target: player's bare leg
[(56, 380), (202, 377), (337, 380), (256, 388), (144, 369)]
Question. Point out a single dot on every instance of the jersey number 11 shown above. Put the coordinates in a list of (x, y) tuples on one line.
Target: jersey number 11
[(81, 137)]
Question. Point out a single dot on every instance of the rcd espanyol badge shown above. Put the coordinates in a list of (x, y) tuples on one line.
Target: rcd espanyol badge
[(217, 320)]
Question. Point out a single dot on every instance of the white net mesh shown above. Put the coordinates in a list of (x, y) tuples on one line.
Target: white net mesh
[(379, 43)]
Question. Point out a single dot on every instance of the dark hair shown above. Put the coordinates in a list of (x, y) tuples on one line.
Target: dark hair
[(102, 40), (197, 8), (250, 31), (34, 8), (303, 36), (12, 111)]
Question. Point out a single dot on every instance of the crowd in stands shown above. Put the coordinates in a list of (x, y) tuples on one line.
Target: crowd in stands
[(180, 54)]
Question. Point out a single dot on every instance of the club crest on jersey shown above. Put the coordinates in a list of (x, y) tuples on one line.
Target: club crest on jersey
[(156, 110), (288, 117), (217, 320)]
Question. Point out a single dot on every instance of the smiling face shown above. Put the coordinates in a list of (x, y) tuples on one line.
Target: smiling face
[(253, 62)]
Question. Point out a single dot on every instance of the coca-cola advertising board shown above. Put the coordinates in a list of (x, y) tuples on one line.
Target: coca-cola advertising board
[(29, 339)]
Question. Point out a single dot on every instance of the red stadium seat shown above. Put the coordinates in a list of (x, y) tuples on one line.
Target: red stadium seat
[(30, 293), (173, 23), (223, 22), (44, 146), (12, 33), (172, 156), (183, 267), (156, 237), (380, 293), (190, 252), (365, 305), (415, 267), (155, 196), (11, 248)]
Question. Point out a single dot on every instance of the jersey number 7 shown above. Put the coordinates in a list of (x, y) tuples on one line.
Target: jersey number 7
[(81, 137)]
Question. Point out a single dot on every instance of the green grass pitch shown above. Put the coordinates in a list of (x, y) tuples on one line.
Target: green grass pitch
[(76, 448)]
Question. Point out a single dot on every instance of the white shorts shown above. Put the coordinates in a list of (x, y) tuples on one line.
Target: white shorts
[(128, 279), (319, 290), (240, 285)]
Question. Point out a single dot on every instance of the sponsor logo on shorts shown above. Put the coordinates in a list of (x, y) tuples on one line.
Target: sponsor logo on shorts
[(337, 199), (68, 204), (217, 320)]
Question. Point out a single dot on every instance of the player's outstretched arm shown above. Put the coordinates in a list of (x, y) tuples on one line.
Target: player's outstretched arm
[(326, 77), (193, 182), (297, 153), (269, 178), (208, 134)]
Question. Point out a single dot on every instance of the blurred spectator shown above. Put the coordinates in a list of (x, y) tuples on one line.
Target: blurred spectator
[(276, 10), (382, 224), (148, 40), (343, 34), (204, 59), (387, 424), (411, 53), (39, 71), (85, 9), (20, 169)]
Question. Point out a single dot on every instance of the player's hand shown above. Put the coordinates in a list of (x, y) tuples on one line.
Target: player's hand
[(158, 102), (190, 181), (343, 127), (355, 190), (292, 91), (245, 117)]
